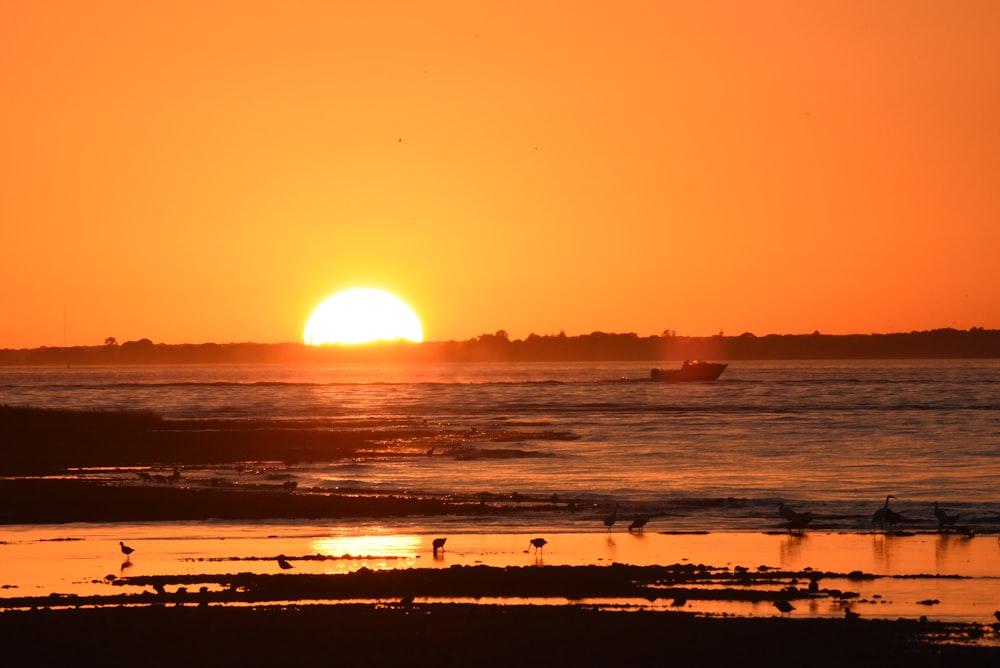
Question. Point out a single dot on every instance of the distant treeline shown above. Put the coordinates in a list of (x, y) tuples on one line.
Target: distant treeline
[(597, 346)]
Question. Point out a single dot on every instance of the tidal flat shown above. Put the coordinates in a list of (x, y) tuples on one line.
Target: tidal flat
[(204, 584)]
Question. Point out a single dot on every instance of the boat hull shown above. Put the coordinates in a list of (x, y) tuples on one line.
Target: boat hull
[(689, 371)]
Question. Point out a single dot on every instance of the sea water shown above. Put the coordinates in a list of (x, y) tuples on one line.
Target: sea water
[(830, 437)]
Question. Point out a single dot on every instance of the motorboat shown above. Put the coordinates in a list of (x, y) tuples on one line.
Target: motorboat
[(691, 370)]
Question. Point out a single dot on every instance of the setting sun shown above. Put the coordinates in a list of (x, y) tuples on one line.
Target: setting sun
[(363, 315)]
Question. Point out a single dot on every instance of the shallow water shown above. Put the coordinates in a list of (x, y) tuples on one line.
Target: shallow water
[(82, 559), (833, 438)]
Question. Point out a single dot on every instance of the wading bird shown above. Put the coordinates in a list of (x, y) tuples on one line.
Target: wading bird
[(886, 515), (438, 544), (537, 543), (943, 518), (784, 606), (638, 523), (796, 521), (612, 518), (126, 550), (283, 562)]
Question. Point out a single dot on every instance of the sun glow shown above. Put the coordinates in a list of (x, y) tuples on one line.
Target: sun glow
[(363, 315)]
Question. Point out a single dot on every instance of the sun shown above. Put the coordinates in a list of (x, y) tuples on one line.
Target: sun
[(363, 315)]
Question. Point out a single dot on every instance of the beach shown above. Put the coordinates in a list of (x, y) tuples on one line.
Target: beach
[(364, 583), (229, 563)]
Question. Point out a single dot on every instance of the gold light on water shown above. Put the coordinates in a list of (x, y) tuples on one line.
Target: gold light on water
[(393, 546)]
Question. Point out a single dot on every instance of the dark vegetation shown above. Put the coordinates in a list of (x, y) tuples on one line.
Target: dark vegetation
[(498, 347)]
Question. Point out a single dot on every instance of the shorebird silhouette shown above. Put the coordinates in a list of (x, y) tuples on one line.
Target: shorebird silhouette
[(638, 523), (886, 515), (783, 606), (612, 518), (537, 543), (943, 518), (126, 550), (438, 544), (796, 521), (283, 562)]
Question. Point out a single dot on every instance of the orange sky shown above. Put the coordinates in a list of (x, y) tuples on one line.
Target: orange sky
[(212, 170)]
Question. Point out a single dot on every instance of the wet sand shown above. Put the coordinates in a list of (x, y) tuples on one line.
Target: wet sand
[(488, 605), (486, 599)]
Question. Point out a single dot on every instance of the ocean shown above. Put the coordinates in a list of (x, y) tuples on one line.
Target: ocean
[(833, 438)]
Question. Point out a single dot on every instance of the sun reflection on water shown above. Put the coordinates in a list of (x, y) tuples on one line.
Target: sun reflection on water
[(389, 545)]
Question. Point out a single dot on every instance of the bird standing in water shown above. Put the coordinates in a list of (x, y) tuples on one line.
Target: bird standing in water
[(126, 550), (783, 606), (438, 544), (283, 562), (612, 518), (886, 515), (638, 523), (796, 521), (943, 518), (537, 543)]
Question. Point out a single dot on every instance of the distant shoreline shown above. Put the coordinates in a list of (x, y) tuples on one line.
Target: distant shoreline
[(975, 343)]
